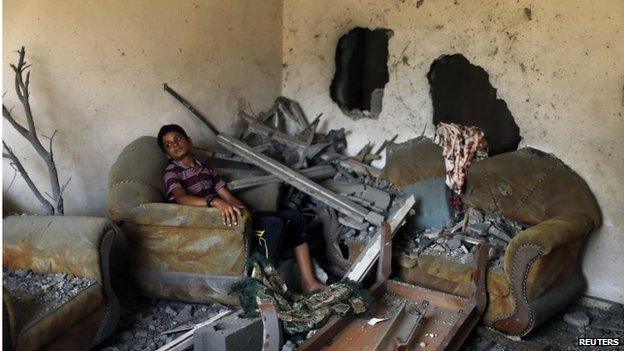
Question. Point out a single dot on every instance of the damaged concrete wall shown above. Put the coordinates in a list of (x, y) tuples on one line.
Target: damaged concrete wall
[(557, 64), (97, 74)]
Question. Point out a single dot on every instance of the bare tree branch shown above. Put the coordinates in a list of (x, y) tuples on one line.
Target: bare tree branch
[(10, 155), (30, 133)]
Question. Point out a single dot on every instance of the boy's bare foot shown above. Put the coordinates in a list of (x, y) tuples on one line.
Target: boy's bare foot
[(314, 287)]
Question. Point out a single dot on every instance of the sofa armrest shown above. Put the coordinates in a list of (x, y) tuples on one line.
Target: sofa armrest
[(549, 235), (174, 215), (538, 259), (58, 244)]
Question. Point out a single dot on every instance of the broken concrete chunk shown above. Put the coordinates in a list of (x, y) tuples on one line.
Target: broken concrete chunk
[(474, 216), (577, 319), (478, 229), (493, 230), (454, 244)]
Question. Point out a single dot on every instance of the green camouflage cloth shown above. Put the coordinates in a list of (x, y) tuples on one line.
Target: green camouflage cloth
[(299, 313)]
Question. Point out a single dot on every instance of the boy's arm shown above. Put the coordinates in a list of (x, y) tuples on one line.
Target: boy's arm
[(229, 212), (183, 198), (226, 195)]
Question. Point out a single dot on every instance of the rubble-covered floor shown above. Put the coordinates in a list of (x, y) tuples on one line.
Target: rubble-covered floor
[(560, 334), (143, 320)]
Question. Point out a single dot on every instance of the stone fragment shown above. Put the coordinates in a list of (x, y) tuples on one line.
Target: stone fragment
[(478, 229), (474, 216), (499, 234), (184, 314), (454, 244), (577, 319), (170, 311)]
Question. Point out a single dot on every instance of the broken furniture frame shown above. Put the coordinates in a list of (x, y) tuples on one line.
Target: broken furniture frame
[(338, 333)]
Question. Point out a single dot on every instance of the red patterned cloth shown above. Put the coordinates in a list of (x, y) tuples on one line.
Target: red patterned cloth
[(460, 145)]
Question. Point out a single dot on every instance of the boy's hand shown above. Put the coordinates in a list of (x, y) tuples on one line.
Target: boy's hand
[(229, 213)]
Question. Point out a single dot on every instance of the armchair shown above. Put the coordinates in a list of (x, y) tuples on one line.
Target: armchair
[(180, 252), (60, 244), (541, 272)]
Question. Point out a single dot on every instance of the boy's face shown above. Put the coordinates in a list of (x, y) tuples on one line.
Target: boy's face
[(176, 145)]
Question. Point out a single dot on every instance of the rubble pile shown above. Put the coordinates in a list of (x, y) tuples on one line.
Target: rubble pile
[(284, 134), (40, 293), (148, 324), (457, 240)]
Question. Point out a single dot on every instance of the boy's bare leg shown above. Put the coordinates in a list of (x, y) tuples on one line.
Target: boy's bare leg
[(308, 279)]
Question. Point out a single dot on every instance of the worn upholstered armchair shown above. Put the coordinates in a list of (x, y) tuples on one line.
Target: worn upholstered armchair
[(59, 244), (542, 272), (180, 252)]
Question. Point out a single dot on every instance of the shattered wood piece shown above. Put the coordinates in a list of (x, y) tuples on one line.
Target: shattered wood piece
[(469, 239), (346, 221), (385, 144), (373, 196), (292, 177), (264, 116), (370, 158), (185, 340), (311, 129), (365, 203), (306, 150), (291, 109), (276, 135), (366, 259), (271, 340), (317, 172), (177, 329), (352, 164), (191, 108), (363, 152)]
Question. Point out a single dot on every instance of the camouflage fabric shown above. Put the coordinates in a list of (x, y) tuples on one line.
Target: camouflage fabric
[(299, 313)]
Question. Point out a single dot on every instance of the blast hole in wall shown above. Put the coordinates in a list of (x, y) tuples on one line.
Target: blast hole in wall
[(361, 72), (462, 93)]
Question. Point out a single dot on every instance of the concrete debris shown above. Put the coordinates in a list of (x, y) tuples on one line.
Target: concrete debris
[(37, 293), (148, 324), (577, 319), (230, 333), (458, 245)]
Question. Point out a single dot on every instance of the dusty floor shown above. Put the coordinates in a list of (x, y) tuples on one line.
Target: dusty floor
[(560, 335), (143, 320)]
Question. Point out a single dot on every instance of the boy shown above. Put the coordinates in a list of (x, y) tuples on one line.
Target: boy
[(189, 182)]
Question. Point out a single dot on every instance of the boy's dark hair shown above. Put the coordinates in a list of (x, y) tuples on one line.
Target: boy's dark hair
[(168, 128)]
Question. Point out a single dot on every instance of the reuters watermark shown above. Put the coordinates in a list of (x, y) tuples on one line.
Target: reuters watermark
[(598, 342)]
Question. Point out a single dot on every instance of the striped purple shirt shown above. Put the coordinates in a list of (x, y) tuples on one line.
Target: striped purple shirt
[(197, 181)]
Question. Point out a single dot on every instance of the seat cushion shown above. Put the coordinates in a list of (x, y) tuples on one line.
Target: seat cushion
[(38, 318)]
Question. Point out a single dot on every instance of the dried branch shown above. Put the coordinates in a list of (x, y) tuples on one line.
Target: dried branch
[(8, 153), (30, 132)]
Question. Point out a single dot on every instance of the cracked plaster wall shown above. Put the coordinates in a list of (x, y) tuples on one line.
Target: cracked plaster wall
[(560, 72), (97, 74)]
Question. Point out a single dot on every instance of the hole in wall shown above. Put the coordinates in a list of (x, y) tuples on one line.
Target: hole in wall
[(462, 93), (361, 72)]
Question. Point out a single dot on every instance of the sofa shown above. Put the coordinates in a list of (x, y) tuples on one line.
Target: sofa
[(79, 246), (542, 272), (180, 252)]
